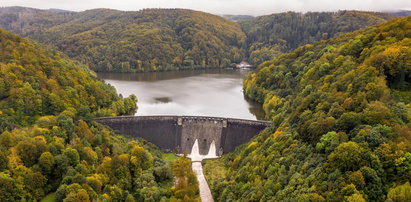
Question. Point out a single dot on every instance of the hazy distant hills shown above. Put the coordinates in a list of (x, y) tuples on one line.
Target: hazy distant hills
[(237, 18), (56, 10), (170, 39), (401, 13)]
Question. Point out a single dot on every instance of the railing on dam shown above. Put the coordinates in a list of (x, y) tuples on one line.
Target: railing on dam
[(178, 133)]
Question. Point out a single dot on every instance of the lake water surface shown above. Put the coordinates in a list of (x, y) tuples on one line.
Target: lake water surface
[(215, 92)]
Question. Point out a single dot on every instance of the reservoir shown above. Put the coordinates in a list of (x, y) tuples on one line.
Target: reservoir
[(213, 92)]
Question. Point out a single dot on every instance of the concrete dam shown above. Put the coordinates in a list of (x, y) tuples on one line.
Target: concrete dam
[(178, 133)]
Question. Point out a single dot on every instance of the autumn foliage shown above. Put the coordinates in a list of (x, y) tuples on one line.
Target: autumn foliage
[(341, 122)]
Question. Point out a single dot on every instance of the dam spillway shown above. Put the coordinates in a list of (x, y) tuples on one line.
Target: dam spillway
[(178, 133)]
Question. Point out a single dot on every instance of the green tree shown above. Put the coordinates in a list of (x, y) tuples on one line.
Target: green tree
[(35, 182), (46, 162), (140, 158), (373, 187), (347, 156), (72, 155), (9, 190), (3, 161), (400, 192), (28, 152), (328, 142)]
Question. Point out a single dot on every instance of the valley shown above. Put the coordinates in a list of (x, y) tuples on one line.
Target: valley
[(91, 102)]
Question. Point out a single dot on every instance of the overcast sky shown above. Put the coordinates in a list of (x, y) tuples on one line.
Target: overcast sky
[(249, 7)]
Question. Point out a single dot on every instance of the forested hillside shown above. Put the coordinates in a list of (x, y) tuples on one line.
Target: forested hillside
[(270, 35), (38, 82), (49, 143), (341, 123), (146, 40), (171, 39)]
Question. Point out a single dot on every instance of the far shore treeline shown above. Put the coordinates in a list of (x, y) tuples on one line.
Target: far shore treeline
[(174, 39)]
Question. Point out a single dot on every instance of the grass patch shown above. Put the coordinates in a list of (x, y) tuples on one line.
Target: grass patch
[(169, 157), (49, 197), (214, 170)]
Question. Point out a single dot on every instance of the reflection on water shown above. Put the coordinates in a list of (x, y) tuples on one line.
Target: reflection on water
[(256, 109), (215, 92), (162, 99)]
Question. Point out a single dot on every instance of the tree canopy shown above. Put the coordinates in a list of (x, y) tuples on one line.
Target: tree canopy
[(49, 142), (270, 35), (133, 41), (341, 122), (37, 81), (173, 39)]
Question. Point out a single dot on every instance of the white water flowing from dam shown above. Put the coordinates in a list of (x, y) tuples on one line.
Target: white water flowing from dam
[(196, 158), (212, 152), (195, 153)]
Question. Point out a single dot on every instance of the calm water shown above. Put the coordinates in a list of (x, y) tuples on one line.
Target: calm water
[(196, 93)]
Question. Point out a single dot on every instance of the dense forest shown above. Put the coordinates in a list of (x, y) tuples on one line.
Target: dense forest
[(341, 118), (133, 41), (340, 107), (50, 144), (172, 39), (39, 82), (270, 35)]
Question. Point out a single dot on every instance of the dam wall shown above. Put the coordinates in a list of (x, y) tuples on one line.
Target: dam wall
[(178, 133)]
